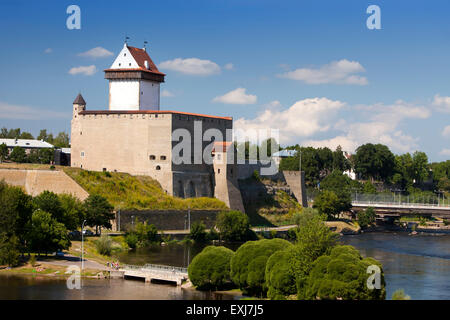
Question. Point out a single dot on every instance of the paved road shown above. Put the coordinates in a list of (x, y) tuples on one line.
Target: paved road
[(69, 260)]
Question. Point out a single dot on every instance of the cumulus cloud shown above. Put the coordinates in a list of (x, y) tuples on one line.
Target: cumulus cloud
[(273, 104), (237, 96), (228, 66), (191, 66), (306, 121), (166, 93), (382, 126), (338, 72), (10, 111), (441, 104), (84, 70), (97, 52), (48, 50), (446, 131), (303, 119)]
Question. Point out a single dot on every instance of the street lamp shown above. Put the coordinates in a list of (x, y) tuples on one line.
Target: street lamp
[(82, 246)]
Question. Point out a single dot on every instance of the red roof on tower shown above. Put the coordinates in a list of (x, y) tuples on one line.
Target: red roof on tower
[(141, 55)]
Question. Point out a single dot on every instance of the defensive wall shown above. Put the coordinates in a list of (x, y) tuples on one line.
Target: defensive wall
[(36, 181)]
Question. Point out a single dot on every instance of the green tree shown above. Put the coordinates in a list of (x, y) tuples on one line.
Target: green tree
[(279, 275), (328, 204), (210, 269), (420, 166), (3, 152), (233, 225), (26, 135), (45, 234), (366, 217), (248, 265), (50, 202), (369, 188), (314, 239), (74, 211), (99, 212), (374, 161), (197, 232), (340, 162), (61, 140), (104, 245), (18, 155), (9, 250), (343, 275)]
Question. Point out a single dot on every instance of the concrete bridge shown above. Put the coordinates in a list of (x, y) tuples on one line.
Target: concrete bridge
[(393, 209), (151, 272)]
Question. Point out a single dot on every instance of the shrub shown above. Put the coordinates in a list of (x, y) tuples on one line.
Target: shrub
[(233, 225), (9, 253), (248, 265), (104, 245), (343, 275), (212, 235), (145, 233), (131, 239), (210, 269), (366, 217), (280, 280), (197, 232), (400, 295)]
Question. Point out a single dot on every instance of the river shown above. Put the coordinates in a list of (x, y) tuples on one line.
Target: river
[(419, 264)]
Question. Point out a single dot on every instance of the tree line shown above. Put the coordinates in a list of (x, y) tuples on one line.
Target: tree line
[(41, 224)]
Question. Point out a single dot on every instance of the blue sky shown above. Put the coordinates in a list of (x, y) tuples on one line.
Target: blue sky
[(309, 68)]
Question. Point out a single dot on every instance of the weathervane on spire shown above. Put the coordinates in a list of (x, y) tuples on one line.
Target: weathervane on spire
[(126, 39), (145, 45)]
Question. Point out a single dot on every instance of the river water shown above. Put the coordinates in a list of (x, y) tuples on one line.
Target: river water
[(419, 264)]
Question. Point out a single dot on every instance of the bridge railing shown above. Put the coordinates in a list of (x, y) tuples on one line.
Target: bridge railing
[(400, 200), (155, 267)]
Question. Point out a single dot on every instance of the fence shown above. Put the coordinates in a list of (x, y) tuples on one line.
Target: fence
[(155, 267), (398, 199)]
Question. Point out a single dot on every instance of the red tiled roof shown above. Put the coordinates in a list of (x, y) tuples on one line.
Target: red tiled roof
[(140, 55), (221, 146), (151, 112)]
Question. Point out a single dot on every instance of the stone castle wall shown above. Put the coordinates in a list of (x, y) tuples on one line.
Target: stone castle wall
[(36, 181)]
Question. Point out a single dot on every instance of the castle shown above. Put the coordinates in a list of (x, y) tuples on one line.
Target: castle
[(136, 137)]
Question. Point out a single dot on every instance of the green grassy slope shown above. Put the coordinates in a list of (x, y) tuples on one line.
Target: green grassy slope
[(125, 191)]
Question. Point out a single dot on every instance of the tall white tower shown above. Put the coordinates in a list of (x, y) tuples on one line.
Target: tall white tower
[(134, 81)]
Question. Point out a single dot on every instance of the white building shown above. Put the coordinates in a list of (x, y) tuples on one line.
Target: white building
[(27, 144), (134, 81)]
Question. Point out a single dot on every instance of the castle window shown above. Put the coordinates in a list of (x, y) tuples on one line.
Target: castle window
[(158, 167), (120, 64), (124, 54), (82, 153), (129, 64), (218, 170), (163, 157), (152, 157)]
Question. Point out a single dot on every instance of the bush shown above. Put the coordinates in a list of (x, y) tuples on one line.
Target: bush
[(9, 253), (248, 266), (197, 232), (343, 275), (212, 235), (280, 280), (210, 269), (132, 239), (400, 295), (366, 217), (146, 234), (104, 245), (233, 226)]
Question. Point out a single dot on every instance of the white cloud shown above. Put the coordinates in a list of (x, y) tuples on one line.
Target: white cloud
[(97, 52), (84, 70), (273, 104), (228, 66), (191, 66), (303, 119), (441, 103), (48, 50), (166, 93), (237, 96), (306, 121), (382, 126), (445, 152), (9, 111), (338, 72), (446, 131)]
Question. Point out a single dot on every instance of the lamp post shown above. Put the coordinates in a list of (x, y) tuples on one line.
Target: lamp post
[(82, 245)]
